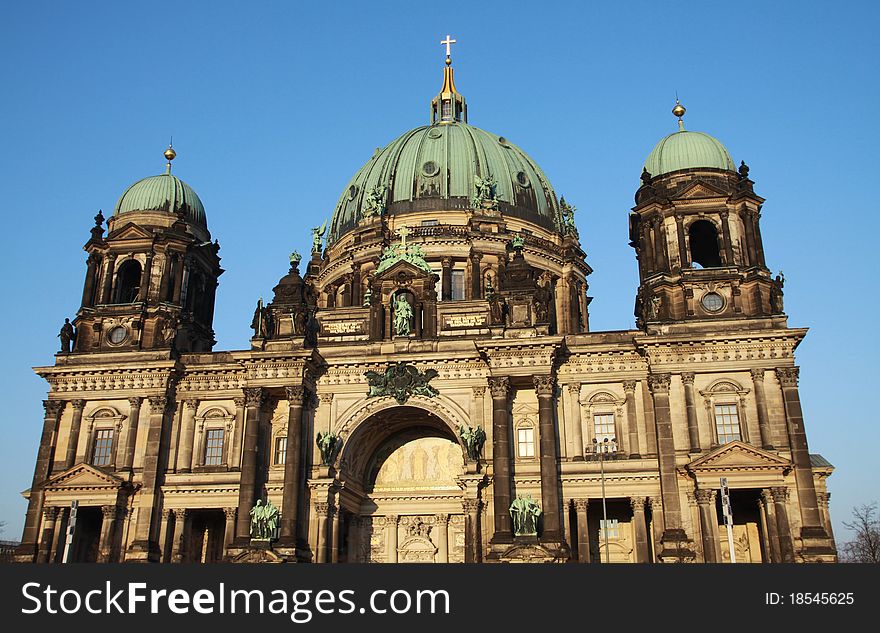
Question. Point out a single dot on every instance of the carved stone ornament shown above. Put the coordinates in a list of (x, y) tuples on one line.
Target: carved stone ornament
[(544, 385), (499, 386), (787, 376), (659, 382), (401, 381)]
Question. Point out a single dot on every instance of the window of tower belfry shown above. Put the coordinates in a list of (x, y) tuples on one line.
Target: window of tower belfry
[(128, 281), (705, 252)]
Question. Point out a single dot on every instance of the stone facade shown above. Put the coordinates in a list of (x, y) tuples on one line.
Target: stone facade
[(166, 445)]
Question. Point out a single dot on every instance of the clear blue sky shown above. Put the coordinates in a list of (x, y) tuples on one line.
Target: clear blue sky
[(274, 105)]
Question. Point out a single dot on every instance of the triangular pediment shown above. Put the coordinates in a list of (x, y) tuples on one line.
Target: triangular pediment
[(83, 476), (700, 189), (131, 231), (738, 455)]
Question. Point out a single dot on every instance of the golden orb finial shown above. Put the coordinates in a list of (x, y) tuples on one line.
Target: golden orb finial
[(679, 110), (170, 155)]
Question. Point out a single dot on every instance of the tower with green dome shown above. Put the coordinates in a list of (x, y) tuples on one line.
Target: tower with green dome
[(695, 228), (151, 281)]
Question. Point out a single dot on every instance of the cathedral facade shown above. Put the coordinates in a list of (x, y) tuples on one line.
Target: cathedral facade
[(425, 386)]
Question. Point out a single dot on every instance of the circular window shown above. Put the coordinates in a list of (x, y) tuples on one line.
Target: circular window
[(430, 168), (435, 132), (117, 335), (522, 179), (502, 141), (712, 302), (352, 192)]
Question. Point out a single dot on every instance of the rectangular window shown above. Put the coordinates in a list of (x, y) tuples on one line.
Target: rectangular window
[(281, 450), (213, 447), (457, 285), (103, 448), (727, 423), (525, 442), (603, 427), (613, 529), (430, 222)]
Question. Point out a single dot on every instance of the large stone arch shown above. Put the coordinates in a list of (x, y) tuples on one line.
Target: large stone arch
[(361, 432)]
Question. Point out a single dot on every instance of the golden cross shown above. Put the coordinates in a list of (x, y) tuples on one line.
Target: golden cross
[(448, 42), (404, 231)]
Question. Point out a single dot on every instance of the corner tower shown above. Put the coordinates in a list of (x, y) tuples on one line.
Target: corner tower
[(696, 232), (151, 281)]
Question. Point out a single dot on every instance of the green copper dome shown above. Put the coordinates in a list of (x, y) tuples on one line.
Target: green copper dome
[(688, 150), (163, 193), (435, 168)]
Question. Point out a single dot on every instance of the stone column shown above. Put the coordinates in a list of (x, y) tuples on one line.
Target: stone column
[(811, 518), (761, 404), (235, 457), (50, 516), (728, 243), (178, 542), (292, 483), (164, 527), (759, 243), (335, 518), (107, 288), (501, 481), (581, 507), (641, 529), (229, 528), (441, 521), (574, 391), (648, 242), (687, 378), (247, 493), (769, 512), (661, 247), (656, 505), (472, 540), (632, 424), (674, 538), (545, 387), (52, 413), (178, 278), (446, 279), (682, 246), (88, 295), (187, 435), (145, 546), (749, 228), (650, 427), (824, 501), (476, 276), (108, 530), (708, 524), (145, 278), (73, 437), (391, 524), (783, 527), (134, 414)]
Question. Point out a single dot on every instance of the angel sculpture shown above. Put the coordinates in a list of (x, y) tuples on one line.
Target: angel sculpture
[(317, 237)]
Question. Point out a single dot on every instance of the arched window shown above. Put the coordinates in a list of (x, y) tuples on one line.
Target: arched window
[(705, 252), (128, 282)]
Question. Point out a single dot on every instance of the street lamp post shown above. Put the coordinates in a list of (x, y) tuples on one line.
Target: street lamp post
[(608, 445)]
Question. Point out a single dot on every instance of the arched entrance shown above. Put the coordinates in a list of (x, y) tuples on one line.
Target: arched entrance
[(401, 467)]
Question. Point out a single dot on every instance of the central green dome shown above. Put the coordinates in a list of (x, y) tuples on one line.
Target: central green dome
[(434, 168), (688, 150)]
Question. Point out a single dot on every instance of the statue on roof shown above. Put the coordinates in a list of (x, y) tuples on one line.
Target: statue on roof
[(567, 213), (317, 237), (374, 201), (486, 194)]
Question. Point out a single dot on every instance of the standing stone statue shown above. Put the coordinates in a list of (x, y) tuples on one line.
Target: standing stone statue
[(264, 520), (473, 439), (327, 443), (67, 336), (403, 314), (524, 513), (317, 237)]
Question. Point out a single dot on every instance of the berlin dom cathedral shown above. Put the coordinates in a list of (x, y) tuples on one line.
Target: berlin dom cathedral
[(424, 385)]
